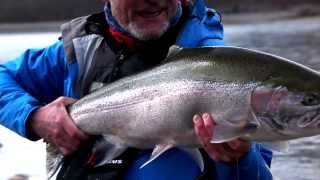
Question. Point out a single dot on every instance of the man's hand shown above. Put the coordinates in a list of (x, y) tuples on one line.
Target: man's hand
[(229, 151), (53, 123)]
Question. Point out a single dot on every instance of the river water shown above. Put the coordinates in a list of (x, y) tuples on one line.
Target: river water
[(298, 40), (18, 155)]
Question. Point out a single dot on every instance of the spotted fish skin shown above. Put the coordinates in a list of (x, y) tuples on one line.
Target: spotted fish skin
[(251, 95)]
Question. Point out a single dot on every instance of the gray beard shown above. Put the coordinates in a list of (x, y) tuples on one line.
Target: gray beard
[(143, 34)]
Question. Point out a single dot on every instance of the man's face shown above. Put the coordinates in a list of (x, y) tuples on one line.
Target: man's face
[(144, 19)]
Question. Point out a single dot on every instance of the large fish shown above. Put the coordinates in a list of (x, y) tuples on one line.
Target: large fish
[(251, 95)]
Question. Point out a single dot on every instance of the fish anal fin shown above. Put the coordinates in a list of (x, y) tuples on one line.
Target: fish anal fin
[(105, 151), (157, 151)]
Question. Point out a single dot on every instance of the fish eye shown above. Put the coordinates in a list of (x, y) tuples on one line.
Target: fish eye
[(311, 99)]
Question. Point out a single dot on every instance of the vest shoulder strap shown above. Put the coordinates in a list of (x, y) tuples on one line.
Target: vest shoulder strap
[(70, 30)]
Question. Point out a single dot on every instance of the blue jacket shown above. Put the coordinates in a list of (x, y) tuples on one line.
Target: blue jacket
[(39, 76)]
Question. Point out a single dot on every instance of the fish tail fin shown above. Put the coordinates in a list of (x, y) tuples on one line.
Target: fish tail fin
[(54, 160)]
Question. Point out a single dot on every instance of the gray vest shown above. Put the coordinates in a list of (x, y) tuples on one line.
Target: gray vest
[(86, 41)]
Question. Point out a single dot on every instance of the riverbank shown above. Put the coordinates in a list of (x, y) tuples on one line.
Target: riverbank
[(27, 27), (271, 15), (254, 14), (59, 10)]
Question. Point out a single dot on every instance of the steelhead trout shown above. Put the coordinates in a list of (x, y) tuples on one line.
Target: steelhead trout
[(252, 95)]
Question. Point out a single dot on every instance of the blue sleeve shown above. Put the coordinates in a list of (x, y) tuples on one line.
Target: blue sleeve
[(29, 81), (203, 28), (254, 165)]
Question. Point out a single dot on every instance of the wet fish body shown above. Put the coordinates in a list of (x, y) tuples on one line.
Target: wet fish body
[(251, 94), (159, 103)]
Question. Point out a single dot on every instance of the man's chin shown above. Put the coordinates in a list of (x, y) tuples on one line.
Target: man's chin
[(148, 33), (148, 36)]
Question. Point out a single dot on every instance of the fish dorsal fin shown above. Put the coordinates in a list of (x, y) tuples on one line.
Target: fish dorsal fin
[(173, 50), (95, 86), (196, 156), (157, 151)]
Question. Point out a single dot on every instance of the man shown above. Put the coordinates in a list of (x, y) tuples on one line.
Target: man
[(128, 37)]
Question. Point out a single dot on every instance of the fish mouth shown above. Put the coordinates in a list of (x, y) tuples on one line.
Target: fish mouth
[(289, 112)]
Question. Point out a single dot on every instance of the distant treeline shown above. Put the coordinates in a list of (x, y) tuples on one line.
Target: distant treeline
[(46, 10), (243, 6), (49, 10)]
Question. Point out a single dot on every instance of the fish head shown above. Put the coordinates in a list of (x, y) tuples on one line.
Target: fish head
[(284, 114)]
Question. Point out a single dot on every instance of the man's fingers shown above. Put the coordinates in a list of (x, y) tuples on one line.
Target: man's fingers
[(67, 144), (69, 125), (232, 154), (217, 152), (203, 126), (236, 151), (236, 144), (239, 145), (71, 136), (208, 123), (200, 129), (53, 123), (66, 100), (223, 152), (65, 151), (229, 151), (73, 131), (66, 148)]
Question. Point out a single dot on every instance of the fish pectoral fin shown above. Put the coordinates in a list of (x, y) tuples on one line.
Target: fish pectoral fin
[(196, 156), (278, 146), (95, 86), (105, 152), (220, 135), (238, 125), (157, 151), (173, 50)]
